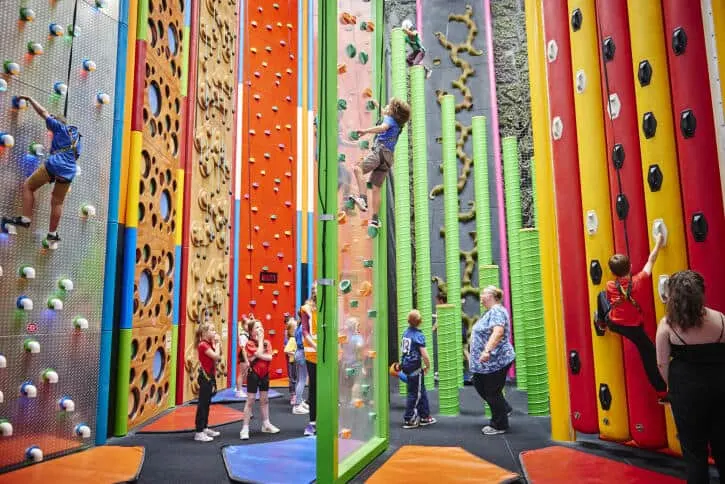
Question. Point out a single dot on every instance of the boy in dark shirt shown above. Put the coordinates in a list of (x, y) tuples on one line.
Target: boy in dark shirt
[(415, 363)]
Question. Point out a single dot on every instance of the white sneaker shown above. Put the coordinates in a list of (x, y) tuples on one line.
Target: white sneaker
[(211, 433), (305, 405), (240, 394), (268, 428), (360, 202), (244, 434), (202, 437), (300, 410)]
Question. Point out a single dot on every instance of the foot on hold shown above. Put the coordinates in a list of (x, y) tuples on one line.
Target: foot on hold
[(202, 437), (211, 433), (51, 241), (427, 421), (9, 224), (361, 201), (413, 423), (428, 72), (488, 430), (268, 428)]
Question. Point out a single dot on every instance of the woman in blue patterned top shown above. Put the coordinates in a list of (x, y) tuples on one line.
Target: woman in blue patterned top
[(491, 356)]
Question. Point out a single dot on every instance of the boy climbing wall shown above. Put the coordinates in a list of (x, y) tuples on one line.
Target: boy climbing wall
[(380, 159), (412, 38), (59, 168)]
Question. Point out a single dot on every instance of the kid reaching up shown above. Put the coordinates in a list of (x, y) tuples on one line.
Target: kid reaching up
[(412, 38), (259, 353), (380, 160), (207, 343)]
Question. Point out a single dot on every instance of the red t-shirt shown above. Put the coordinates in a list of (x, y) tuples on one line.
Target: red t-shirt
[(259, 366), (206, 363), (624, 312)]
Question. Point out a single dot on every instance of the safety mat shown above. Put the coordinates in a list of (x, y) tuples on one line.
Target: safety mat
[(181, 419), (228, 396)]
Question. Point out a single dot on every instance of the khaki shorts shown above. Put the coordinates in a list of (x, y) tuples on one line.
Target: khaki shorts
[(378, 164), (41, 177)]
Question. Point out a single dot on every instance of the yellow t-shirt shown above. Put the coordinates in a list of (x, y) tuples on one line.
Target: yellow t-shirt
[(290, 349), (310, 351)]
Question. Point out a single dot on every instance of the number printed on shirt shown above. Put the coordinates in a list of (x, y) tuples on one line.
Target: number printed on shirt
[(405, 346)]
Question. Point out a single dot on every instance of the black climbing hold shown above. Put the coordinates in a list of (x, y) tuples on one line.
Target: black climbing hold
[(649, 125), (644, 74), (575, 363), (654, 178), (688, 123), (679, 41), (618, 156), (699, 227), (608, 49), (622, 206), (605, 396), (576, 19), (595, 272)]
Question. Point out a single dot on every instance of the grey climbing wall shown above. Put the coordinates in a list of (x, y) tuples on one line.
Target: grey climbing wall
[(39, 344)]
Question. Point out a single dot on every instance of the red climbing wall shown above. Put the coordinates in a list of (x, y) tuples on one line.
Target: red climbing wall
[(267, 218)]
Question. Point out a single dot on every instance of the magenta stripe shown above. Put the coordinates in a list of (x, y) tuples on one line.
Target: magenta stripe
[(419, 17)]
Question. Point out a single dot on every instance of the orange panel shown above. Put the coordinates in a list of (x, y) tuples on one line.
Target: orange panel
[(268, 212), (181, 419)]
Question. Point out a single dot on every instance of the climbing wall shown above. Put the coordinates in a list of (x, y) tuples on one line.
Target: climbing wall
[(210, 189), (50, 300), (267, 229), (156, 119)]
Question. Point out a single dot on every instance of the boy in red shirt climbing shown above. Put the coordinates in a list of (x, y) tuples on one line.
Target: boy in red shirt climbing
[(625, 316)]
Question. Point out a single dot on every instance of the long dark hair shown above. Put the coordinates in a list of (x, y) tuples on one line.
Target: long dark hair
[(685, 300)]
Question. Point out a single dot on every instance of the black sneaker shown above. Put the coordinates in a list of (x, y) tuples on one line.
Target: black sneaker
[(427, 421), (374, 222), (52, 238), (8, 224), (411, 424)]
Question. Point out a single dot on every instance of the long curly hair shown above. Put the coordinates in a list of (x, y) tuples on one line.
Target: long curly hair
[(685, 300)]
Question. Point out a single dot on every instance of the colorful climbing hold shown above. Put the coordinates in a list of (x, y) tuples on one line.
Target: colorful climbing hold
[(89, 65), (341, 105), (56, 30), (60, 88), (354, 135), (35, 48), (345, 286), (351, 51), (11, 68), (363, 57), (341, 68), (102, 98)]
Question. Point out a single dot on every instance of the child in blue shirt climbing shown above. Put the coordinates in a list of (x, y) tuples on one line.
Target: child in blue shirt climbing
[(380, 160), (58, 169), (415, 363)]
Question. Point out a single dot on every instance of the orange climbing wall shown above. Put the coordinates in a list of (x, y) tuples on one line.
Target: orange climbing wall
[(267, 230), (209, 168)]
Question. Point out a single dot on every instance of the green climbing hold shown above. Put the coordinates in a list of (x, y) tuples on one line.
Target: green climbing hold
[(341, 105), (341, 158), (345, 286), (363, 26), (354, 135), (372, 231), (363, 57), (372, 416), (372, 313), (368, 263), (349, 204), (351, 51), (350, 371), (371, 106), (364, 144), (354, 303), (365, 389)]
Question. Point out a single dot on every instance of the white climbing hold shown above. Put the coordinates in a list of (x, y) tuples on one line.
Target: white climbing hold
[(27, 389), (592, 222), (24, 303), (80, 322), (50, 376), (2, 397), (88, 211), (662, 287), (6, 428), (552, 50), (3, 361), (34, 453), (659, 227), (82, 430), (65, 284), (31, 346), (7, 140), (581, 81), (27, 272), (102, 98), (614, 106), (67, 404), (55, 304), (557, 128)]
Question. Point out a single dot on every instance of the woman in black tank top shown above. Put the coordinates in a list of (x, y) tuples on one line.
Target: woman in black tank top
[(694, 368)]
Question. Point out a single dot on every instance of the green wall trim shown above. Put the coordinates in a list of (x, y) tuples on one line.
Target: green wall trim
[(172, 365), (120, 427), (143, 20), (359, 459)]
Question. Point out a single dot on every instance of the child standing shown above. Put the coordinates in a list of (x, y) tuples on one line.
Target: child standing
[(290, 348), (243, 362), (380, 160), (259, 352), (412, 39), (415, 363), (58, 169), (207, 343), (301, 367)]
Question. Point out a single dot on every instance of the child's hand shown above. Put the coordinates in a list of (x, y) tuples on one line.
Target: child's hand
[(660, 240), (216, 337), (361, 132)]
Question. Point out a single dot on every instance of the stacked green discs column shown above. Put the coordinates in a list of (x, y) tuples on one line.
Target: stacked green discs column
[(535, 340), (483, 206), (401, 185), (420, 199), (450, 213), (448, 355), (513, 224), (488, 275)]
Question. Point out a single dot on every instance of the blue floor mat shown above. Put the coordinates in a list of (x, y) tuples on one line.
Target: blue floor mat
[(283, 462), (227, 396)]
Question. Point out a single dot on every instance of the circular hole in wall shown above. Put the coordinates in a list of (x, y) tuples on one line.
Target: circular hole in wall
[(152, 186), (174, 144), (152, 391), (148, 344), (169, 308), (169, 262), (155, 98), (134, 350), (138, 254), (133, 401), (152, 34), (165, 205), (144, 286), (141, 211), (146, 166), (144, 379), (160, 280), (173, 39), (146, 252)]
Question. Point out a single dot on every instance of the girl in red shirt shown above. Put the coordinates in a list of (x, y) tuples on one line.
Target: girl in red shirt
[(259, 354), (207, 343)]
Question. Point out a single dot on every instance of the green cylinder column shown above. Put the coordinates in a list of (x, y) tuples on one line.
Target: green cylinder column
[(420, 201), (512, 191), (450, 213), (483, 205), (401, 184), (448, 355)]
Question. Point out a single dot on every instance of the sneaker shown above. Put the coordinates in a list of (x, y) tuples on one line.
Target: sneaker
[(374, 222), (300, 410), (310, 430), (411, 424), (427, 421), (305, 404), (240, 394), (428, 72), (293, 400), (488, 430), (268, 428), (9, 224), (360, 201), (211, 433), (244, 433), (52, 237), (202, 437)]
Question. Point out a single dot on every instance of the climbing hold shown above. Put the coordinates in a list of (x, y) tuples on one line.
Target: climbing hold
[(27, 389), (355, 135), (253, 50), (698, 226), (82, 430), (644, 73), (372, 231), (347, 19), (368, 263), (265, 245), (618, 156), (552, 50), (351, 51), (254, 24), (341, 68), (364, 144), (55, 30), (557, 128), (27, 14), (688, 123), (349, 372), (79, 322), (60, 88), (576, 20), (605, 396), (102, 98), (649, 125), (345, 433), (101, 4), (354, 303), (6, 428), (372, 313), (268, 49), (24, 303), (581, 81), (65, 284), (89, 65), (3, 85), (31, 346), (679, 41), (273, 217), (341, 217), (371, 105), (73, 30), (358, 403), (35, 48), (11, 68), (575, 363), (345, 286), (365, 289), (622, 206), (662, 287), (50, 376), (88, 211), (372, 353), (341, 105), (26, 272), (34, 453), (372, 416), (592, 222), (367, 92), (614, 107), (654, 178), (55, 304), (3, 361), (595, 272), (608, 49), (363, 57), (659, 227), (36, 149), (19, 104)]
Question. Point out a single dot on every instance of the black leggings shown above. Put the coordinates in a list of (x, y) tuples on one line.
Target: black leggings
[(490, 387), (647, 352), (206, 388), (312, 396)]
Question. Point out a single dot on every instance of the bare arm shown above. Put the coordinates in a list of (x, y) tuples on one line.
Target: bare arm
[(381, 128), (493, 341), (214, 355), (663, 350), (42, 112), (426, 358), (653, 255)]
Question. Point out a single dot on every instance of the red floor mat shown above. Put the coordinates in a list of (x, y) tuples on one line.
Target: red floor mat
[(181, 419), (562, 464)]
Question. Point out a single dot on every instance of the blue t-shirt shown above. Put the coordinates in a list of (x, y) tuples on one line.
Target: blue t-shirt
[(298, 337), (390, 137), (503, 354), (412, 341), (62, 160)]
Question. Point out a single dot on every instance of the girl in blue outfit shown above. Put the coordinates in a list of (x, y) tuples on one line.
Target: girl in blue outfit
[(491, 356), (59, 168)]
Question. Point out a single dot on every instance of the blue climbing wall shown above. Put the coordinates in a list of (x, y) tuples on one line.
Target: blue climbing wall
[(35, 340)]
